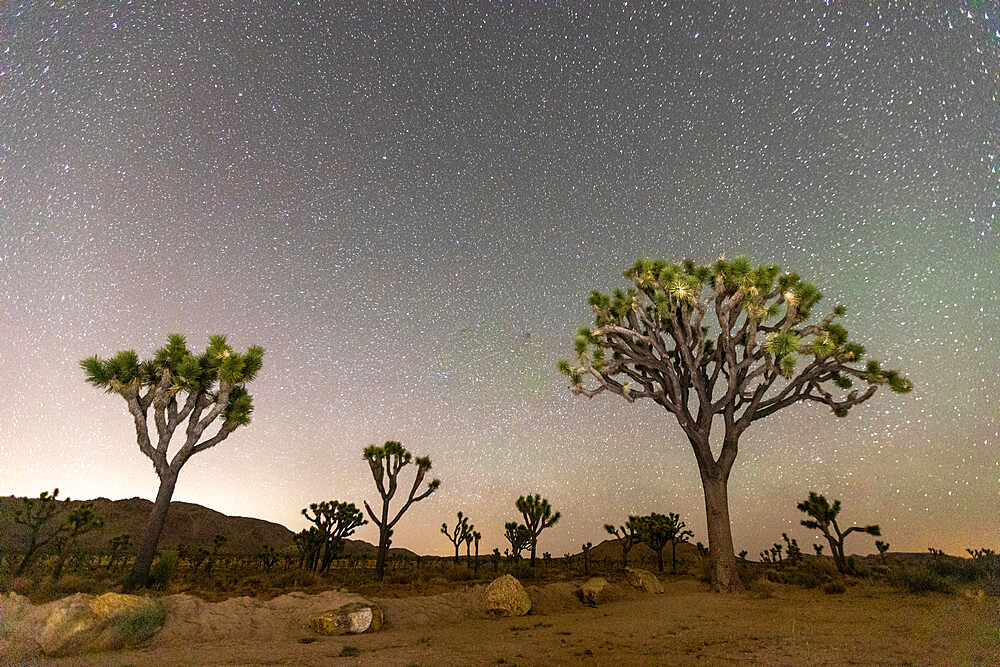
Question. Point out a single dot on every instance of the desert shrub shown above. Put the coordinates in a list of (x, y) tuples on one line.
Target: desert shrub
[(761, 587), (458, 573), (130, 628), (920, 579), (834, 587), (350, 652), (163, 569)]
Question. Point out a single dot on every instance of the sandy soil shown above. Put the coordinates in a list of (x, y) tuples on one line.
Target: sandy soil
[(687, 624)]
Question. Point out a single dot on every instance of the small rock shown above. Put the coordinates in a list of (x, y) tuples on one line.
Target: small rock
[(593, 591), (505, 596), (353, 618), (644, 580)]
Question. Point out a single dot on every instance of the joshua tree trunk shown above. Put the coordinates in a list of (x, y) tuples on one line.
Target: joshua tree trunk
[(659, 559), (139, 575), (383, 550), (534, 543), (722, 561)]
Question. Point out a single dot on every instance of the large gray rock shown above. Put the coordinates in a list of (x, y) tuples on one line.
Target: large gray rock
[(593, 591), (83, 623), (505, 596), (644, 580), (352, 618)]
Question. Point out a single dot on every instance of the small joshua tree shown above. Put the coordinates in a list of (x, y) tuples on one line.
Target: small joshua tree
[(336, 521), (792, 549), (476, 536), (309, 542), (386, 462), (818, 548), (657, 531), (585, 550), (80, 520), (882, 547), (720, 346), (469, 537), (824, 518), (743, 555), (457, 535), (518, 536), (268, 557), (628, 536), (495, 559), (34, 514), (178, 386), (120, 545), (538, 516), (218, 542)]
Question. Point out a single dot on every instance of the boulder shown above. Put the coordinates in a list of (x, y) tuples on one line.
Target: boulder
[(83, 623), (593, 591), (352, 618), (505, 596), (644, 580)]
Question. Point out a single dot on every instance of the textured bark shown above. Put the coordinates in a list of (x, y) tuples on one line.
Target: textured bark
[(723, 573), (139, 576)]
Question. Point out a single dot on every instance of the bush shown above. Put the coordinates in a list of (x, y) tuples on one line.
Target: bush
[(835, 587), (920, 579), (163, 569), (130, 628)]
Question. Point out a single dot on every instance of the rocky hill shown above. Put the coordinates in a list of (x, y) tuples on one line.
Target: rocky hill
[(187, 523)]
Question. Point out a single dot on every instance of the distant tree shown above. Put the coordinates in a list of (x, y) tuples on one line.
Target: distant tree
[(179, 387), (457, 535), (628, 535), (468, 549), (476, 537), (518, 536), (79, 521), (743, 555), (882, 547), (585, 550), (218, 542), (268, 557), (34, 514), (818, 548), (538, 516), (792, 549), (120, 545), (495, 559), (198, 558), (720, 343), (824, 518), (386, 462), (336, 521), (309, 543), (657, 531)]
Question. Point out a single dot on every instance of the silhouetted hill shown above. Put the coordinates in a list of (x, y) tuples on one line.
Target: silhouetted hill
[(187, 523)]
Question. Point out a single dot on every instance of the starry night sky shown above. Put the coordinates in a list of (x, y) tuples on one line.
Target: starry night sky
[(407, 206)]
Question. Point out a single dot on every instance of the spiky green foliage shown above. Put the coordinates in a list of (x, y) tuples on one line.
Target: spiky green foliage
[(519, 537), (336, 521), (386, 461), (823, 517), (538, 516), (731, 343), (628, 535), (35, 515), (175, 388), (658, 530)]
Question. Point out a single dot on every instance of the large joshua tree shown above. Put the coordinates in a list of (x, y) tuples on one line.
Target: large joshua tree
[(179, 388), (386, 463), (824, 518), (538, 516), (727, 343)]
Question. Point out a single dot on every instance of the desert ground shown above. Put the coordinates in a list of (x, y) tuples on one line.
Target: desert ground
[(771, 625)]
